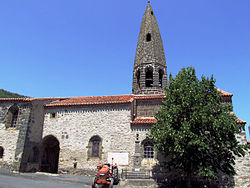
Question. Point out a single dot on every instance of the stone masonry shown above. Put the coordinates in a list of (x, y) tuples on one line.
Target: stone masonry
[(12, 139)]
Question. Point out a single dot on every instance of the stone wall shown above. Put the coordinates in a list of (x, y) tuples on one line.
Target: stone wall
[(34, 134), (242, 179), (12, 139), (147, 108), (74, 127)]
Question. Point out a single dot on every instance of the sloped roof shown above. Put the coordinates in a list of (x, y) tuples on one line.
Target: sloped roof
[(240, 121), (152, 50), (153, 121), (76, 101), (113, 99), (224, 93), (16, 99), (144, 121)]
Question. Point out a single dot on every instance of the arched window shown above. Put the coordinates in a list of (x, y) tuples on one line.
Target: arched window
[(148, 150), (95, 145), (12, 116), (138, 74), (160, 77), (34, 155), (14, 119), (148, 37), (1, 152), (149, 77)]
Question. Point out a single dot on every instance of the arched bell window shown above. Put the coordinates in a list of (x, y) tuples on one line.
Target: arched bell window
[(149, 77), (12, 116)]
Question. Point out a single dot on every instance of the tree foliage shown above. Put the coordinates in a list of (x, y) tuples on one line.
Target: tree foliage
[(194, 129)]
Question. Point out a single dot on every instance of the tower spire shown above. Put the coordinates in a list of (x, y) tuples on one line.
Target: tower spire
[(150, 70)]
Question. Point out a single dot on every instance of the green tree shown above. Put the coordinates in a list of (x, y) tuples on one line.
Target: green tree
[(195, 130)]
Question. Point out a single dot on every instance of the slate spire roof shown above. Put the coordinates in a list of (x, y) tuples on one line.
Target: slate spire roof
[(149, 52)]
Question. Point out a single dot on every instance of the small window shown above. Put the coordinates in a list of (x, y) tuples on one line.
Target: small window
[(137, 136), (53, 115), (1, 152), (152, 13), (149, 150), (148, 37)]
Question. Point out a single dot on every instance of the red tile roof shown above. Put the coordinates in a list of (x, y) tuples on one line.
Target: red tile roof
[(15, 99), (153, 120), (29, 99), (78, 101), (50, 98), (240, 121), (224, 93), (144, 121), (74, 101)]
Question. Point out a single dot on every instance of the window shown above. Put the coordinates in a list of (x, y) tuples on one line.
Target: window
[(138, 74), (53, 115), (1, 152), (148, 37), (160, 78), (148, 150), (149, 77), (95, 144), (12, 117)]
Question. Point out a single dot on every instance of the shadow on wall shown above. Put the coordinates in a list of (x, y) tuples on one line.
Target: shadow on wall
[(173, 179)]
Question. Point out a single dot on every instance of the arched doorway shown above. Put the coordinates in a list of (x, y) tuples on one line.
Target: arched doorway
[(50, 154)]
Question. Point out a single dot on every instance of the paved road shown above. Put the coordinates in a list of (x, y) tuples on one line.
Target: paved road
[(43, 180), (18, 181), (39, 180)]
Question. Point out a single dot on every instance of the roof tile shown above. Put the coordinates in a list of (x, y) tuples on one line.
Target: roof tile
[(240, 121), (224, 93), (75, 101), (144, 121)]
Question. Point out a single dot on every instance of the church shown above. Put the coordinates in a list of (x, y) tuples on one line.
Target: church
[(74, 134)]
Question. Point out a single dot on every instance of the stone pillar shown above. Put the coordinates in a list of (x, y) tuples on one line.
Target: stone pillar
[(156, 78)]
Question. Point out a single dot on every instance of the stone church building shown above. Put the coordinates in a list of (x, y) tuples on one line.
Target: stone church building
[(75, 134)]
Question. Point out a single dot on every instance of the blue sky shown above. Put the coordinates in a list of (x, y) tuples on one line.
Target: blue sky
[(65, 48)]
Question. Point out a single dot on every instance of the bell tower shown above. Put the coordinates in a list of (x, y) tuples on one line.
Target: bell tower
[(150, 69)]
